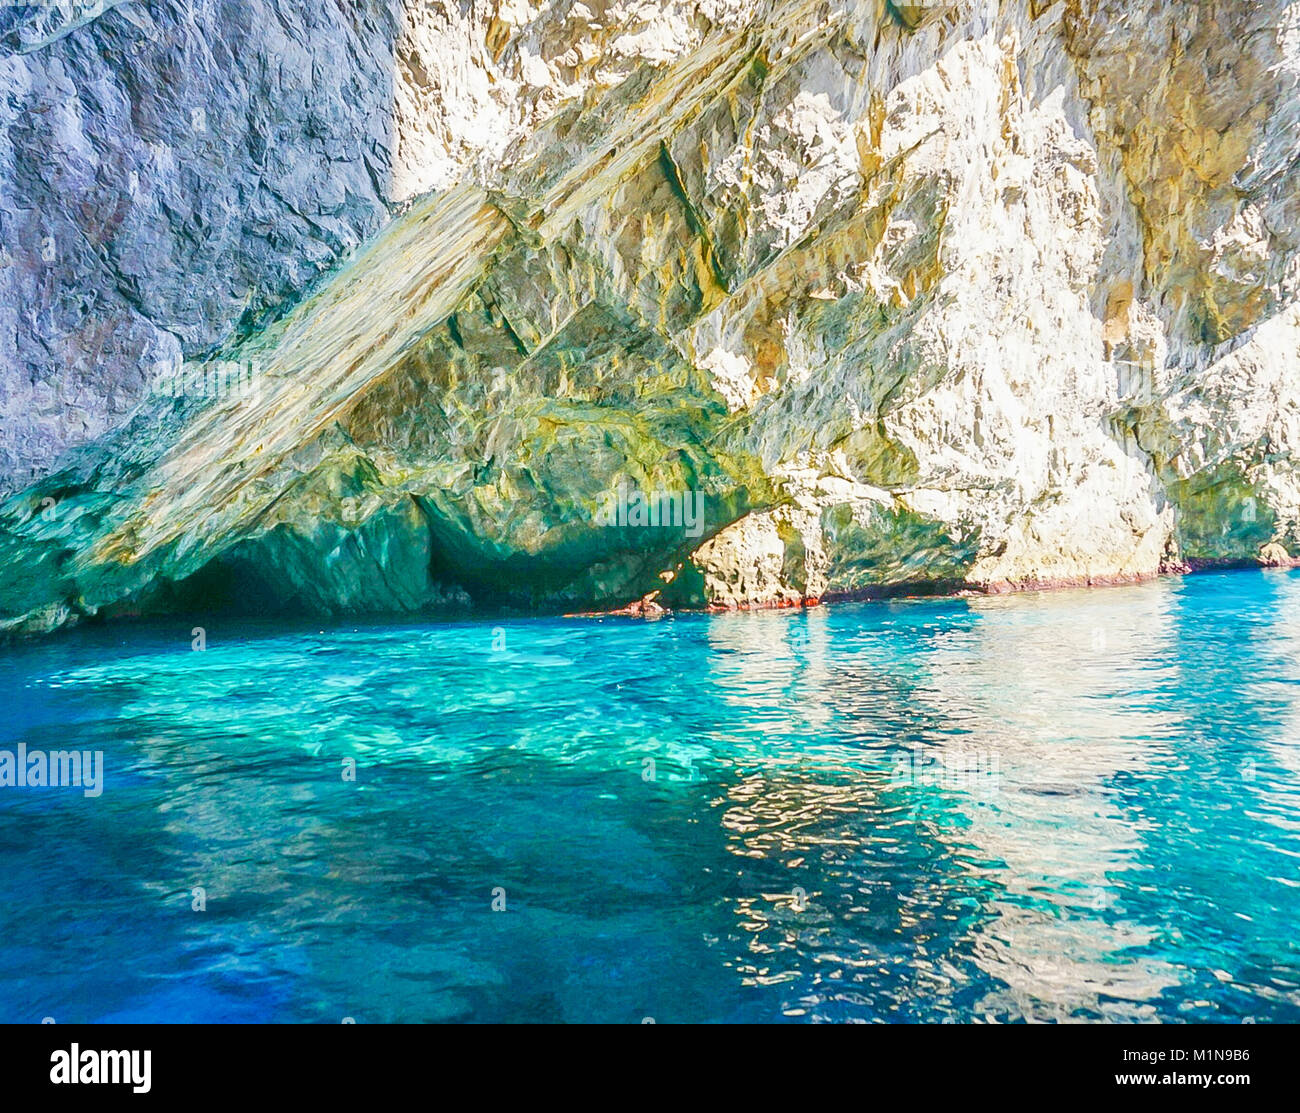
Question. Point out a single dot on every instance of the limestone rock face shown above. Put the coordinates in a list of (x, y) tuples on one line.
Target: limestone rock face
[(170, 173), (746, 302)]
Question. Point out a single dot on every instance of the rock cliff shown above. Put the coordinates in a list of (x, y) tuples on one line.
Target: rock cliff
[(853, 297)]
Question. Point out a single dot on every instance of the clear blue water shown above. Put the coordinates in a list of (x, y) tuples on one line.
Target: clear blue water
[(1120, 840)]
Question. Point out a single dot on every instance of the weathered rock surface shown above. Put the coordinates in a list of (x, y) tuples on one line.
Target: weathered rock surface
[(958, 294)]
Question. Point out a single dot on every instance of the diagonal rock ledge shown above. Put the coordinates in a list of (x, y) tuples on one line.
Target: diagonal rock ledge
[(960, 295)]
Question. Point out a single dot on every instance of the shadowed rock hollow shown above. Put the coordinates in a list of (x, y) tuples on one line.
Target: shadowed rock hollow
[(936, 295)]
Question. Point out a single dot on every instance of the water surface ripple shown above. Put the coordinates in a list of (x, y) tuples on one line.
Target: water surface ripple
[(1075, 805)]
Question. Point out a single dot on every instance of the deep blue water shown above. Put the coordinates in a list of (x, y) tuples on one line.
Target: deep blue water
[(731, 817)]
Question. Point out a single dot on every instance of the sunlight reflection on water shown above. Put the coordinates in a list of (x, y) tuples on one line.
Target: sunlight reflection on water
[(1075, 805)]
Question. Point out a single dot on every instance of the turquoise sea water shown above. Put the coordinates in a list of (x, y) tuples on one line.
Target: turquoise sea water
[(1076, 805)]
